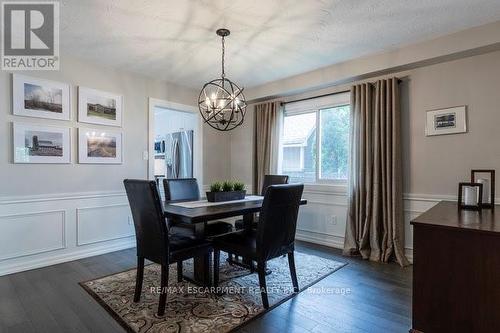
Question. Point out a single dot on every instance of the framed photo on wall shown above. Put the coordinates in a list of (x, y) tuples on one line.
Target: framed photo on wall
[(41, 144), (99, 146), (33, 97), (99, 107), (446, 121)]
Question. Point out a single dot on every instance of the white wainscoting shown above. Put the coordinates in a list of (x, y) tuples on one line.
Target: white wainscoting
[(323, 219), (43, 230), (37, 232), (112, 221)]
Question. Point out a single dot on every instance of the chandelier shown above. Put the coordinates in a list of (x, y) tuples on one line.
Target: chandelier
[(221, 102)]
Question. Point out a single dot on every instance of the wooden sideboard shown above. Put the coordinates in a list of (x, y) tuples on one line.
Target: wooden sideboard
[(456, 270)]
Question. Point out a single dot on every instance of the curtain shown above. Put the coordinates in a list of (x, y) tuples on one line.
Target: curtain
[(375, 225), (266, 141)]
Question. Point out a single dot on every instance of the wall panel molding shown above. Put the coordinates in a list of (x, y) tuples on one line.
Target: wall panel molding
[(60, 197), (103, 216), (25, 244), (57, 257), (116, 227)]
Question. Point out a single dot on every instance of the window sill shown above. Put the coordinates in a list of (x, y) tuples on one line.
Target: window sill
[(326, 188)]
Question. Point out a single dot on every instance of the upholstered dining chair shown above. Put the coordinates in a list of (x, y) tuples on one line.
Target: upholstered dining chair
[(154, 242), (274, 237), (268, 181), (187, 189)]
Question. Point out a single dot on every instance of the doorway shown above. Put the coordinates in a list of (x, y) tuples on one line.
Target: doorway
[(175, 142)]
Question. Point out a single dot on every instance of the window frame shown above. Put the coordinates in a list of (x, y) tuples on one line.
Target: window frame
[(315, 105)]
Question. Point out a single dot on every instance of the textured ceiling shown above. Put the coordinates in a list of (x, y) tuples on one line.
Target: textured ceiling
[(270, 39)]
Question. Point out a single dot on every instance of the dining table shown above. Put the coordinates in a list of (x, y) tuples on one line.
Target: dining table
[(200, 213)]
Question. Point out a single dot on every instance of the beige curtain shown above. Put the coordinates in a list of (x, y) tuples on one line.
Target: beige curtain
[(375, 225), (266, 141)]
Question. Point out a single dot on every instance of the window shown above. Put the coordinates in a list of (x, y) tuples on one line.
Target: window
[(293, 158), (315, 140)]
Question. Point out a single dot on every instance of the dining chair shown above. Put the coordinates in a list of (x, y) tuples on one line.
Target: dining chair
[(154, 242), (274, 237), (268, 181), (187, 189)]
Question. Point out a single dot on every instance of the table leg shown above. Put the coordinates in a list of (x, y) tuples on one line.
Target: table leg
[(202, 274), (247, 225)]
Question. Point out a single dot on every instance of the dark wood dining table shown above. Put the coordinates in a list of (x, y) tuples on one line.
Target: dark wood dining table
[(200, 216)]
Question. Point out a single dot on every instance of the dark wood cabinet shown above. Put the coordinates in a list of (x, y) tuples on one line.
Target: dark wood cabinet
[(456, 272)]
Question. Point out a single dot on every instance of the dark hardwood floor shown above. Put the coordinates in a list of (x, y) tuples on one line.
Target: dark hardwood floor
[(50, 300)]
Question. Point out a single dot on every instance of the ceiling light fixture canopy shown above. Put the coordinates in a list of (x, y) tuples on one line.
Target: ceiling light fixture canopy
[(221, 102)]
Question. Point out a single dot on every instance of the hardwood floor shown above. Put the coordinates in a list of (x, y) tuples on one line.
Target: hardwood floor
[(50, 300)]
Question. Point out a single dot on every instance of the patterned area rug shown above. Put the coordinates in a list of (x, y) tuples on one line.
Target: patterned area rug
[(196, 309)]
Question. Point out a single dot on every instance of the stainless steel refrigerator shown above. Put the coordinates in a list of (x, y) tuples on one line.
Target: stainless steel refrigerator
[(179, 155)]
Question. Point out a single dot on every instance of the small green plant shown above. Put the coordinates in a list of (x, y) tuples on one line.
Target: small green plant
[(216, 187), (227, 186), (238, 186)]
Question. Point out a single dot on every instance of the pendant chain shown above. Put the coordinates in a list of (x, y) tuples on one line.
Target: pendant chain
[(223, 51)]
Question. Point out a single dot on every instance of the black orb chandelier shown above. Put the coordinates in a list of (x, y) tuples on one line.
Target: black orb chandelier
[(221, 102)]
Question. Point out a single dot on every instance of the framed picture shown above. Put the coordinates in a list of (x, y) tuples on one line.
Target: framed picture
[(486, 177), (41, 144), (446, 121), (99, 146), (99, 107), (33, 97)]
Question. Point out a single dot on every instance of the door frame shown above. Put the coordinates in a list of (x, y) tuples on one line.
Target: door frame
[(197, 137)]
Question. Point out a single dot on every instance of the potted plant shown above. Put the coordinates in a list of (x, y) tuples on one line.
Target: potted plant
[(226, 191)]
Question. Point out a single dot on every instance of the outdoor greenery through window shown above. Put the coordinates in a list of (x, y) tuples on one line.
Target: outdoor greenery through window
[(315, 140)]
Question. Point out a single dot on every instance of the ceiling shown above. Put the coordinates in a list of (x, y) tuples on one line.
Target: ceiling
[(270, 39)]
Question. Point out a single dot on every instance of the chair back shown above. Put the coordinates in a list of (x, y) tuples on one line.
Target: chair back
[(181, 189), (151, 231), (278, 220), (273, 180)]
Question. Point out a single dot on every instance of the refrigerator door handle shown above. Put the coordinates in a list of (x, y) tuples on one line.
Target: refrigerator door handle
[(177, 158)]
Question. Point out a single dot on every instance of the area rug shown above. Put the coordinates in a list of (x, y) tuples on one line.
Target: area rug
[(193, 309)]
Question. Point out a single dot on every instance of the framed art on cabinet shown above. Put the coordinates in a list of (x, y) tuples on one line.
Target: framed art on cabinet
[(99, 146), (41, 144), (34, 97), (99, 107)]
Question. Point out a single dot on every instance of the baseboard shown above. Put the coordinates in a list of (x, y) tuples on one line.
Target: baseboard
[(65, 257), (336, 242), (321, 239)]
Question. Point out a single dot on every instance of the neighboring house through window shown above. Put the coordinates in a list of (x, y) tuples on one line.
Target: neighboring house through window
[(315, 139)]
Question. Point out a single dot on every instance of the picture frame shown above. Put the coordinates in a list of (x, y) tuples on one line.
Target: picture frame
[(100, 146), (41, 144), (487, 178), (470, 196), (40, 98), (99, 107), (446, 121)]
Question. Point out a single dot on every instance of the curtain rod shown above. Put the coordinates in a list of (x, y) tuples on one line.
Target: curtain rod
[(314, 97), (324, 95)]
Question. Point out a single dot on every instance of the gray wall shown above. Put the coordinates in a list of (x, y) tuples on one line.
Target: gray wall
[(217, 155), (33, 179), (432, 165)]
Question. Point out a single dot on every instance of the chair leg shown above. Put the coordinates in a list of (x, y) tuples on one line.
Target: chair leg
[(261, 268), (179, 271), (293, 273), (163, 292), (138, 279), (216, 267)]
